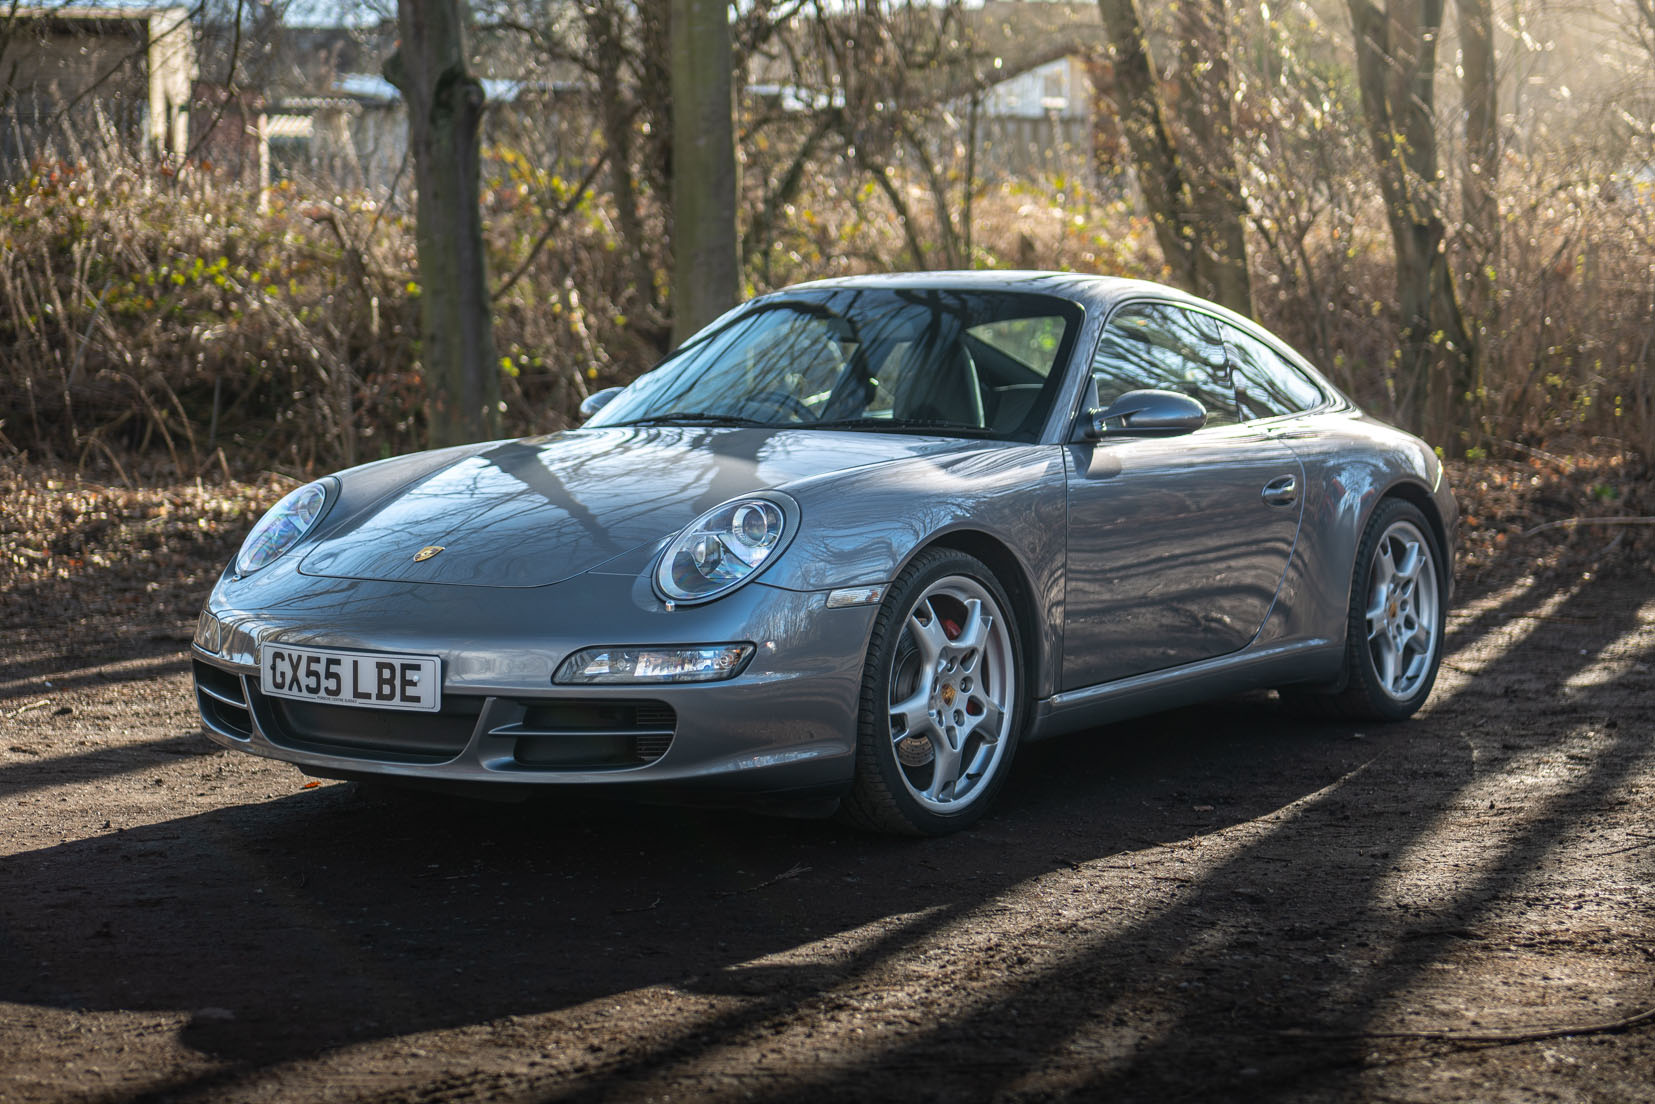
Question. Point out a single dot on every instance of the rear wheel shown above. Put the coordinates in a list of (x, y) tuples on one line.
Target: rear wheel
[(942, 700), (1394, 633)]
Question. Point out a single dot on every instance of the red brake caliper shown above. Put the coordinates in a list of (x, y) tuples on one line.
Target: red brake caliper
[(952, 629)]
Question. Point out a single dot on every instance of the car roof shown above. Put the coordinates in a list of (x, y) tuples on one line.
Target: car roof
[(1078, 286)]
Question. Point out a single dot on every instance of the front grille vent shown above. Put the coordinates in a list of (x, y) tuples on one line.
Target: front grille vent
[(384, 735), (223, 706), (592, 734)]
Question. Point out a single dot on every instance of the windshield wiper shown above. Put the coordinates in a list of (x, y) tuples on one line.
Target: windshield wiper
[(695, 417), (904, 425)]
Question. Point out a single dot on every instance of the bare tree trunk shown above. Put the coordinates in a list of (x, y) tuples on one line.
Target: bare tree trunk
[(1137, 93), (1479, 87), (1216, 207), (1396, 70), (605, 30), (445, 111), (1194, 196), (705, 272)]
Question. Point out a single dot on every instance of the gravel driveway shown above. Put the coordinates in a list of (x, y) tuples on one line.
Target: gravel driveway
[(1222, 903), (1225, 903)]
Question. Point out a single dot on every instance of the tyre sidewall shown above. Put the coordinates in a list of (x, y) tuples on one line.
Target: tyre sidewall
[(1364, 678), (873, 728)]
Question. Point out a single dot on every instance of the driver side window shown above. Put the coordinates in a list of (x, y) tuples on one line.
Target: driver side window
[(1168, 348)]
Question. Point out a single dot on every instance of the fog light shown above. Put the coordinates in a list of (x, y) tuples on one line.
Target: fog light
[(695, 663)]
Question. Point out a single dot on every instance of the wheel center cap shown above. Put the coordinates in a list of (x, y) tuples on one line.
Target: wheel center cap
[(1392, 609), (948, 694)]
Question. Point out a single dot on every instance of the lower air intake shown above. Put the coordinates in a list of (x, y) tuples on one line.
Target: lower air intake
[(587, 735)]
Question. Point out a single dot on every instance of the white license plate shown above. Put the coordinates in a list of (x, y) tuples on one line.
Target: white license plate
[(379, 680)]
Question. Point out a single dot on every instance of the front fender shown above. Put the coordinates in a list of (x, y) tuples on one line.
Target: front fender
[(1005, 504), (860, 528)]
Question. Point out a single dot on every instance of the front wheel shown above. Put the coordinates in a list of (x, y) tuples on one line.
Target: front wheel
[(942, 700)]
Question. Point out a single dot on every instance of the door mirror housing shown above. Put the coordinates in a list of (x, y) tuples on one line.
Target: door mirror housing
[(597, 400), (1148, 413)]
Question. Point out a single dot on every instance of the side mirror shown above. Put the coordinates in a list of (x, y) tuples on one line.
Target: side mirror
[(597, 400), (1145, 414)]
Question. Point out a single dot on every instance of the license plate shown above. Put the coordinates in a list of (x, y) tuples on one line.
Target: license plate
[(379, 680)]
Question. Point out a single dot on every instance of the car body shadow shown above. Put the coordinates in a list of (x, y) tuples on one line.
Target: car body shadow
[(322, 919)]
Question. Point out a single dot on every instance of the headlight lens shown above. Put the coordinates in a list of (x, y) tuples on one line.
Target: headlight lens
[(282, 527), (209, 632), (696, 663), (723, 548)]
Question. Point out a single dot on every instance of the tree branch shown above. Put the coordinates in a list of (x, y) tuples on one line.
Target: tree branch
[(552, 224), (1474, 1038)]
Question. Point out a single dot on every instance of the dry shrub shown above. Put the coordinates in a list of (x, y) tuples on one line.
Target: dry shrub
[(1571, 338), (841, 225), (143, 313), (148, 316), (1553, 516), (1567, 343), (569, 318), (1335, 304), (195, 319)]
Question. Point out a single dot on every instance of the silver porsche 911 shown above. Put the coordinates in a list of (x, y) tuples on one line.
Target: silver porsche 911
[(845, 549)]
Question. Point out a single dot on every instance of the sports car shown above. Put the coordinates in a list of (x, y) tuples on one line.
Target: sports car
[(844, 550)]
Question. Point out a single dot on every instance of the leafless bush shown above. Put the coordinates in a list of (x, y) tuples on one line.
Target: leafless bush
[(188, 317), (144, 312)]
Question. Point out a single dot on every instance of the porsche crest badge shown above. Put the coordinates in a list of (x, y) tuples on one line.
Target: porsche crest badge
[(427, 552)]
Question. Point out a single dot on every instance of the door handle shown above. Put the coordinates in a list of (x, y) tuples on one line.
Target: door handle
[(1282, 491)]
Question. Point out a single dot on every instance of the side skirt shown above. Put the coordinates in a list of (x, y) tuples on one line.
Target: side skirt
[(1304, 661)]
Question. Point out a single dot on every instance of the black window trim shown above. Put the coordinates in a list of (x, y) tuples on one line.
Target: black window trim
[(1160, 301), (1332, 399)]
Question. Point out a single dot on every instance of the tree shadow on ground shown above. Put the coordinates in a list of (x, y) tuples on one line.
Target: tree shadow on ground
[(54, 672), (17, 779), (321, 920)]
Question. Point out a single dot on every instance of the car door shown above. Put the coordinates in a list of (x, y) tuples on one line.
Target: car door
[(1177, 545)]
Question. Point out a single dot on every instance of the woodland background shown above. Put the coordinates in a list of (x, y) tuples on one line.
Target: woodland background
[(1223, 901), (173, 313)]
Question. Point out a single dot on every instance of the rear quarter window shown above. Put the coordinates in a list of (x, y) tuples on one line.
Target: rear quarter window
[(1267, 384)]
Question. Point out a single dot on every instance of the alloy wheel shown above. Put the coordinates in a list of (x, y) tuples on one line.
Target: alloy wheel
[(1402, 611), (952, 694)]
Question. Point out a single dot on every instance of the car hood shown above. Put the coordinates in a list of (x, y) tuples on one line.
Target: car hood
[(541, 510)]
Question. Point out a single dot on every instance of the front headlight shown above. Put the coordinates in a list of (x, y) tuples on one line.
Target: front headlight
[(725, 547), (282, 527)]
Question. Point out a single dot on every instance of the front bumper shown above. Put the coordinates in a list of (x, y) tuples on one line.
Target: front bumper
[(785, 725)]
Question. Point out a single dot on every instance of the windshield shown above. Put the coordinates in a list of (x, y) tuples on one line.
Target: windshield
[(917, 360)]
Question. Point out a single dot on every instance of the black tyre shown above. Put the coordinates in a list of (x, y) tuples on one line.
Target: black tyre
[(1395, 627), (942, 700)]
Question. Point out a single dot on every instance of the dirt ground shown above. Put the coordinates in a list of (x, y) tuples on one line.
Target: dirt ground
[(1224, 903)]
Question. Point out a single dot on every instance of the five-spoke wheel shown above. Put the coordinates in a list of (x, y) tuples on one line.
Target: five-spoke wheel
[(1402, 621), (941, 699), (1394, 635)]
